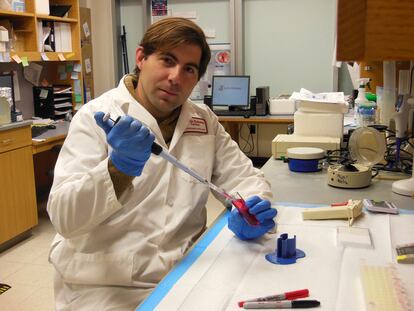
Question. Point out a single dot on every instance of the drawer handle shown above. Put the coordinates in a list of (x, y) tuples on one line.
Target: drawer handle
[(6, 141)]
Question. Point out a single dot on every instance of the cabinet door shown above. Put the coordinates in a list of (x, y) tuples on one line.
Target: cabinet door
[(18, 211)]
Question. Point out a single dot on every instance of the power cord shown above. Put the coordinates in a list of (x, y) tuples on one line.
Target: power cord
[(248, 142)]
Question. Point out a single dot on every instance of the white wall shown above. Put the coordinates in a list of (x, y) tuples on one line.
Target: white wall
[(132, 12), (288, 44)]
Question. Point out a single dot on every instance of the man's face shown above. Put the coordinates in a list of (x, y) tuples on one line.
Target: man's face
[(166, 79)]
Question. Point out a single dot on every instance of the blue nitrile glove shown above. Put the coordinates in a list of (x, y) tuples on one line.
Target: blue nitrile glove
[(130, 141), (264, 214)]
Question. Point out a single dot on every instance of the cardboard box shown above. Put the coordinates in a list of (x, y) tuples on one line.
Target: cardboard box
[(85, 25)]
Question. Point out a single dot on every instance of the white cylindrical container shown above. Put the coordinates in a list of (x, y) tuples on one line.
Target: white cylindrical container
[(389, 92), (4, 111)]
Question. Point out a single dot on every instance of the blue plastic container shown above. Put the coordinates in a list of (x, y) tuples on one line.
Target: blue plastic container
[(304, 159), (298, 165)]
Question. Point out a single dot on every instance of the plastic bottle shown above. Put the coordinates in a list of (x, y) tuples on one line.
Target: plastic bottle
[(365, 110), (367, 113)]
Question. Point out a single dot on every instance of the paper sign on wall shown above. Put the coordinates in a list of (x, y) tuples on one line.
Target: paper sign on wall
[(44, 56), (32, 73), (86, 29), (43, 93), (25, 61), (17, 59), (74, 75), (88, 66), (77, 67)]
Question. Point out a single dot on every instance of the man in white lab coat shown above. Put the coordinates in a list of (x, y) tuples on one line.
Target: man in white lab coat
[(124, 217)]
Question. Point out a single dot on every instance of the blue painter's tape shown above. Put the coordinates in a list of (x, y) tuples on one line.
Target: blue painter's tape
[(162, 289)]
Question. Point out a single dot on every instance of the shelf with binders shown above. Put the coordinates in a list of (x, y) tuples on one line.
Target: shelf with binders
[(26, 40), (26, 32), (54, 36)]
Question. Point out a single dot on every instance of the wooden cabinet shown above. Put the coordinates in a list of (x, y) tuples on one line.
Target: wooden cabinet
[(375, 30), (26, 34), (18, 211)]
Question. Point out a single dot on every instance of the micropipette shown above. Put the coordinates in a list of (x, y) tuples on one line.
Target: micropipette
[(238, 202)]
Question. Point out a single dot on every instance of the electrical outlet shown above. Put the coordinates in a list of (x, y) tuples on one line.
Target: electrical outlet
[(252, 128)]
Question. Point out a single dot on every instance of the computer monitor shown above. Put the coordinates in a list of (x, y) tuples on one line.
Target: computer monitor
[(231, 91)]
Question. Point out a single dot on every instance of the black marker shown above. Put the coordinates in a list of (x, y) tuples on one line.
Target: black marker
[(287, 304)]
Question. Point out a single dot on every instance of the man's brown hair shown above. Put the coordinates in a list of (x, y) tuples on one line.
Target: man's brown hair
[(171, 32)]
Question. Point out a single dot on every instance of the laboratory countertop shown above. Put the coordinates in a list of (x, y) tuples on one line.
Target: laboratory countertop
[(312, 188), (51, 138), (13, 125), (62, 128)]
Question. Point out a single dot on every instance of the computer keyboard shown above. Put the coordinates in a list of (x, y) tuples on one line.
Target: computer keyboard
[(38, 130)]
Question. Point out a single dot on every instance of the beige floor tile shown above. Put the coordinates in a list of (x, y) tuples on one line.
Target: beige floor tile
[(42, 239), (32, 275), (8, 268), (11, 299), (43, 259), (41, 300), (23, 252)]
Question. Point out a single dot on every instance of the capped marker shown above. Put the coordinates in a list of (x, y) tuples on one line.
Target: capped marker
[(285, 304), (302, 293)]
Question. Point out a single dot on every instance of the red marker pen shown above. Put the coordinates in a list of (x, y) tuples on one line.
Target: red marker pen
[(302, 293)]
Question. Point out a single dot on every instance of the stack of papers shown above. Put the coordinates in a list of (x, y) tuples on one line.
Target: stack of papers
[(320, 102)]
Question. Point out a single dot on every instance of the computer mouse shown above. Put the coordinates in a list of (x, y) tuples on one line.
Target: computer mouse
[(51, 127)]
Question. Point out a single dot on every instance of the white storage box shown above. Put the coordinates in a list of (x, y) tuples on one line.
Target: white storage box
[(282, 105), (42, 7), (3, 47), (6, 5), (4, 34), (319, 124)]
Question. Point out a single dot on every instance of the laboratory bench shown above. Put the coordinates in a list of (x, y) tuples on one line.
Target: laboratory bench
[(26, 169), (51, 138), (314, 189), (18, 210), (220, 269)]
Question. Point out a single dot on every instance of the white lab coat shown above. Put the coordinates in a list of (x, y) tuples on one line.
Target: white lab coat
[(136, 240)]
